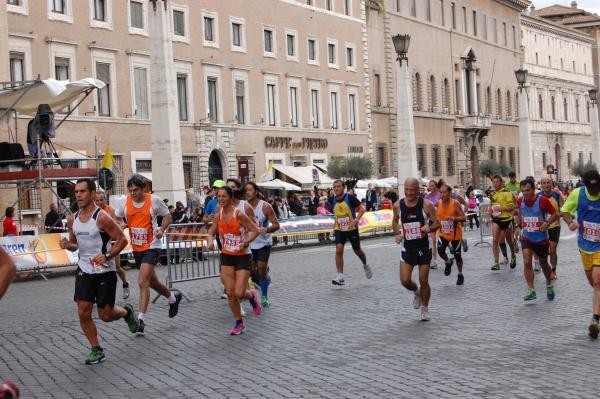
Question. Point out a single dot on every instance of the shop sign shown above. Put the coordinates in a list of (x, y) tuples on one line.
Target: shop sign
[(305, 143)]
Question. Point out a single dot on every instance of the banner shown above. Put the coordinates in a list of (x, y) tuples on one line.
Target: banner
[(370, 221), (38, 252)]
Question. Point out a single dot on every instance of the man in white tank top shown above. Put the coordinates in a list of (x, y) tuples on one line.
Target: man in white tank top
[(99, 240), (261, 246)]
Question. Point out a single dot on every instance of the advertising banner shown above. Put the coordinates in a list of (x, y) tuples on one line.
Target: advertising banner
[(38, 252)]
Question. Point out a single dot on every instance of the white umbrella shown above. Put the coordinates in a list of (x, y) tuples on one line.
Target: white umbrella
[(277, 184)]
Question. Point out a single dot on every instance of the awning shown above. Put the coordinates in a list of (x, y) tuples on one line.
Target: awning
[(277, 184), (56, 93), (303, 175), (375, 182)]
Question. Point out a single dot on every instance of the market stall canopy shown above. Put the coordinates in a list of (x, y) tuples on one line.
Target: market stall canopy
[(56, 93), (306, 176), (375, 182), (277, 184)]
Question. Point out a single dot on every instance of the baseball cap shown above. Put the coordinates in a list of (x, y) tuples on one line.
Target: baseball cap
[(218, 184)]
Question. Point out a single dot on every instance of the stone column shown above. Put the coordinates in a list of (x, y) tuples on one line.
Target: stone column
[(463, 90), (525, 149), (595, 133), (405, 130), (167, 162), (474, 105)]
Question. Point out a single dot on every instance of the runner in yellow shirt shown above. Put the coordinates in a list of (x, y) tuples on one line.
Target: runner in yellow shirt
[(503, 204)]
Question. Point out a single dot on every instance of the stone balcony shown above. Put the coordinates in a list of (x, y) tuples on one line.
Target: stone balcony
[(468, 122), (566, 127)]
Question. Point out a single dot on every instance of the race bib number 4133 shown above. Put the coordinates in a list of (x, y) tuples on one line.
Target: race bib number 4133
[(591, 231)]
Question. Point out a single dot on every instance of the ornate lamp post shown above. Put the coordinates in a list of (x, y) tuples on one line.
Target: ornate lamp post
[(595, 126), (525, 150), (406, 148)]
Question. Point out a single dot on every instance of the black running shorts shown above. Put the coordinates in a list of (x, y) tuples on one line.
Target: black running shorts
[(351, 235), (96, 288), (261, 254), (540, 250), (150, 256), (239, 262), (504, 224), (554, 234), (456, 248), (416, 257)]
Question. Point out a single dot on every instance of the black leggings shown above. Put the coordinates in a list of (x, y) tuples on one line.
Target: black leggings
[(472, 216)]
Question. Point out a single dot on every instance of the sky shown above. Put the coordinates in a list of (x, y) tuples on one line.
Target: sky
[(588, 5)]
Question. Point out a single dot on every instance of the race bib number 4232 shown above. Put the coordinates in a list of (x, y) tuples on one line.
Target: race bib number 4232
[(591, 231)]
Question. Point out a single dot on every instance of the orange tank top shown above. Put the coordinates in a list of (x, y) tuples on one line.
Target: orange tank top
[(449, 229), (139, 221), (231, 235)]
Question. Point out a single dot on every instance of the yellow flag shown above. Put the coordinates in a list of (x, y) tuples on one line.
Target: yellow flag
[(107, 161)]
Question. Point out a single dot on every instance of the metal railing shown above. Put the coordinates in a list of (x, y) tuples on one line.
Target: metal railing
[(485, 224)]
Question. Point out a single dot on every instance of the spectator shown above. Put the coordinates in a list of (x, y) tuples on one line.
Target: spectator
[(179, 214), (313, 203), (10, 228), (473, 211), (199, 216), (387, 202), (53, 222), (282, 212), (371, 198), (295, 205), (380, 197), (211, 206)]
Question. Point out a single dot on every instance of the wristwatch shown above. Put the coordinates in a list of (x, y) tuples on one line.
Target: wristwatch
[(108, 256)]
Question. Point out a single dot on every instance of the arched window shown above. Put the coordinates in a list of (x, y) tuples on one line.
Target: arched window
[(499, 104), (417, 92), (587, 107), (446, 99), (508, 104), (565, 109), (553, 107), (488, 100), (577, 109), (431, 92), (540, 107)]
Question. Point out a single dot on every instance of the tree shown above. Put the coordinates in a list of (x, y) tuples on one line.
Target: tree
[(351, 169), (490, 167), (579, 168)]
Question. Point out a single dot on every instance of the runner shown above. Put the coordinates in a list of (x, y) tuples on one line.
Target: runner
[(141, 209), (515, 188), (531, 220), (503, 203), (261, 247), (100, 200), (99, 240), (434, 196), (586, 202), (414, 219), (451, 216), (557, 200), (347, 211), (237, 231)]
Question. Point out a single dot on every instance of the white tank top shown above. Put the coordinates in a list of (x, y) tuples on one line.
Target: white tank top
[(262, 240), (92, 241)]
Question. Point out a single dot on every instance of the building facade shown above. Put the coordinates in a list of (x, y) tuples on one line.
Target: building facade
[(462, 57), (280, 82), (559, 61)]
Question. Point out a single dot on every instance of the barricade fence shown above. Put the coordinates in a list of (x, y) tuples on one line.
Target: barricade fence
[(485, 224)]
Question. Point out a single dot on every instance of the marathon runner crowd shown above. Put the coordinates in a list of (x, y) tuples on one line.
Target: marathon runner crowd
[(525, 216)]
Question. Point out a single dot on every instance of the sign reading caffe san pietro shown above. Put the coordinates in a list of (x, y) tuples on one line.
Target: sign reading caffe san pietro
[(305, 143)]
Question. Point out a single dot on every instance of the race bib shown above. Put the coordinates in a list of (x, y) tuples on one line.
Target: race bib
[(232, 243), (591, 231), (447, 226), (344, 223), (138, 235), (412, 231), (532, 224), (496, 211)]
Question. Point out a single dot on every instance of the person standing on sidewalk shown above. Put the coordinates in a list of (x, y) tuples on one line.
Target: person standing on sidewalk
[(585, 201), (451, 217), (531, 221), (141, 209), (347, 211), (414, 219), (99, 240)]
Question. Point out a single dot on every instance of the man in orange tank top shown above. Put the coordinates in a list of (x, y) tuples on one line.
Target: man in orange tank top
[(100, 201), (141, 209), (450, 234)]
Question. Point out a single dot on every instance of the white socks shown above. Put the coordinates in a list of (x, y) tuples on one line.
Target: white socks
[(172, 298), (140, 316)]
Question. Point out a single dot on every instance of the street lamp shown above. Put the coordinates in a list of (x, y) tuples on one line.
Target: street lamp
[(593, 95), (525, 148), (521, 75), (401, 43)]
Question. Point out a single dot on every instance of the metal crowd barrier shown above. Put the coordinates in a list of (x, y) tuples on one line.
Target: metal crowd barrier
[(485, 224)]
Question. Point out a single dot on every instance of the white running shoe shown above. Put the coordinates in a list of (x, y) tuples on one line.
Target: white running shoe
[(368, 271), (433, 264), (417, 299), (425, 314)]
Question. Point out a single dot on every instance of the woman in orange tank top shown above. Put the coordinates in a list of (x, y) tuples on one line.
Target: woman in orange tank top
[(451, 217), (236, 231)]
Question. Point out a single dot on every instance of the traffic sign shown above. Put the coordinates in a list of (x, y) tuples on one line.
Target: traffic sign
[(106, 178)]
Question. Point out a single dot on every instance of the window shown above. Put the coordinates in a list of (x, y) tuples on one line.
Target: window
[(417, 93), (136, 11), (213, 110), (271, 104), (182, 96), (577, 110), (505, 33), (140, 82), (574, 70), (499, 104), (179, 23), (421, 159), (501, 158), (442, 13), (540, 107), (352, 110), (565, 109), (474, 23), (436, 160), (294, 106), (553, 107), (457, 96), (537, 59), (413, 8), (492, 153), (328, 5), (58, 6), (514, 37), (377, 88), (446, 99), (99, 10), (569, 159), (484, 26), (103, 74), (350, 58), (495, 30), (382, 159), (428, 10), (465, 22), (580, 157), (240, 108), (511, 157), (236, 34), (291, 43), (562, 65), (209, 29), (16, 65), (269, 48), (13, 2), (509, 108), (314, 108), (550, 61), (332, 54), (312, 52), (432, 100), (334, 109), (544, 159), (453, 14), (587, 106), (309, 2), (450, 160), (347, 7), (18, 6), (61, 68)]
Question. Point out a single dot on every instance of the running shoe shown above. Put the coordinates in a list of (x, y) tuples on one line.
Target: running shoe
[(553, 275), (237, 329), (448, 268), (530, 295), (417, 299), (504, 261), (141, 326), (425, 314), (255, 302), (338, 281), (460, 280), (368, 271), (496, 266), (130, 318), (96, 356), (465, 244), (224, 294), (536, 265), (550, 294), (264, 302), (513, 261), (433, 264), (126, 290), (174, 307), (593, 329)]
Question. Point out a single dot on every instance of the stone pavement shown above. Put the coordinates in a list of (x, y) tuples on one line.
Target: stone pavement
[(365, 340)]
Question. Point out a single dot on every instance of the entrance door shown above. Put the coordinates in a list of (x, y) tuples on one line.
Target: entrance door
[(243, 171), (215, 167), (474, 167)]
